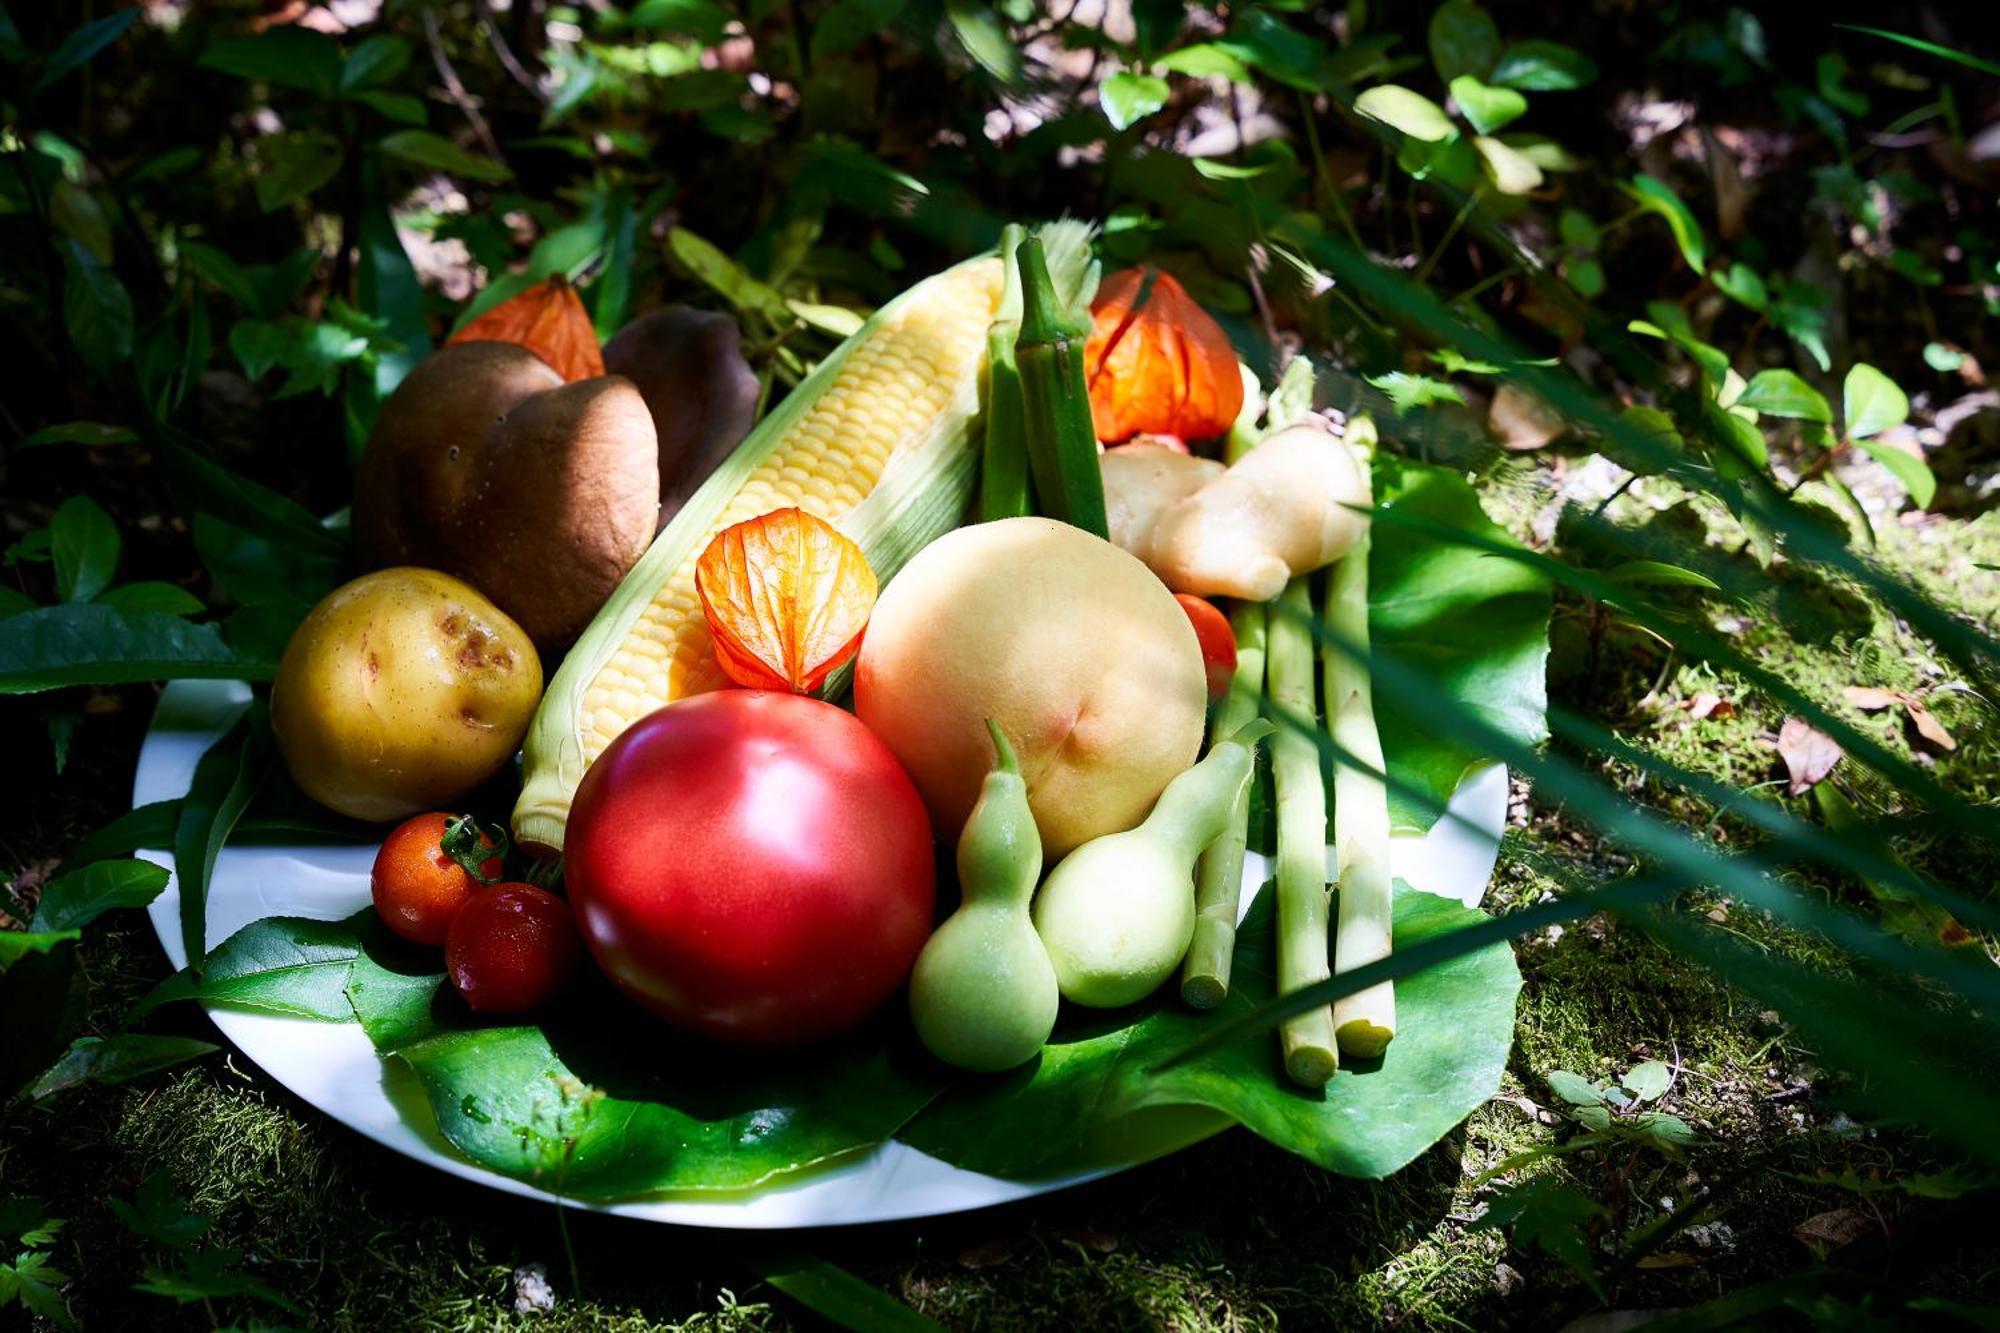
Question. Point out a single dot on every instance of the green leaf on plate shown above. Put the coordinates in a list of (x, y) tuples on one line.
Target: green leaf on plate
[(1411, 112), (1781, 393), (226, 777), (424, 148), (1543, 67), (393, 988), (118, 1059), (1487, 107), (92, 644), (294, 165), (566, 1106), (84, 543), (73, 900), (1129, 98), (1871, 402), (1913, 472), (1656, 196), (1081, 1101), (1476, 625), (278, 964), (1463, 40)]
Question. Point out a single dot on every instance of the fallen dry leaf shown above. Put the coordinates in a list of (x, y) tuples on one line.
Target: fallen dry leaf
[(1705, 704), (1670, 1259), (1809, 754), (1928, 727), (1833, 1229), (1871, 698), (1097, 1242), (992, 1253), (1520, 421)]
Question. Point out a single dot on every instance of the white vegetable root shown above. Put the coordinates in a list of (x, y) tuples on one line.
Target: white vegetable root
[(1279, 511)]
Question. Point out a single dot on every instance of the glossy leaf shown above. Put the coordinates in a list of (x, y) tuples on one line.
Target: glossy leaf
[(279, 965), (1657, 573), (425, 149), (1539, 66), (1076, 1104), (1128, 98), (294, 165), (1463, 40), (151, 595), (1781, 393), (1871, 402), (74, 900), (284, 54), (1656, 196), (1479, 625), (1487, 107), (84, 543), (1913, 472), (118, 1059), (77, 48), (1511, 172), (566, 1106), (94, 644), (226, 777), (1411, 112)]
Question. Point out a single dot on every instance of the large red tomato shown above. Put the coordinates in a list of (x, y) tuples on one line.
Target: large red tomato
[(751, 865)]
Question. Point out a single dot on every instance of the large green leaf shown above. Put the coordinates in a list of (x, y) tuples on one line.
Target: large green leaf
[(92, 644), (603, 1102), (227, 776), (1077, 1102), (76, 899), (118, 1059), (1463, 40), (1475, 625), (278, 964)]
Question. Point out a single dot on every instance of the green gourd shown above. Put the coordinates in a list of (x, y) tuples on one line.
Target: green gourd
[(983, 995), (1117, 914)]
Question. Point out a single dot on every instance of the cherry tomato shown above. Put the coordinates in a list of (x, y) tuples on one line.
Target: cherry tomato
[(752, 866), (1217, 639), (512, 949), (418, 886)]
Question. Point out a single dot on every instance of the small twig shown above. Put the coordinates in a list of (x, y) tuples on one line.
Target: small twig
[(1437, 251), (455, 88), (505, 53), (1263, 303), (1605, 504)]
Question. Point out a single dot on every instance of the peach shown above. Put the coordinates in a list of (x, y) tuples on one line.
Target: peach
[(1070, 644)]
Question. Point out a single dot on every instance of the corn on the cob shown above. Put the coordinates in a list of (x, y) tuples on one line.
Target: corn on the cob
[(877, 441)]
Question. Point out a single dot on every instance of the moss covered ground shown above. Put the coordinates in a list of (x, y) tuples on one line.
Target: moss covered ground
[(1231, 1234)]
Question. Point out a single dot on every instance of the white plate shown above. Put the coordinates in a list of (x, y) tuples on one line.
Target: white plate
[(333, 1066)]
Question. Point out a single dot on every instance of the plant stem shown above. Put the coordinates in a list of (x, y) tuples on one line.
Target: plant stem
[(1364, 1022), (1218, 883), (1457, 221), (1061, 439), (1003, 479), (1310, 1054)]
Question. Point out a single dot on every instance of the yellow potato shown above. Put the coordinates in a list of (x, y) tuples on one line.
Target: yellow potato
[(400, 691), (1073, 647)]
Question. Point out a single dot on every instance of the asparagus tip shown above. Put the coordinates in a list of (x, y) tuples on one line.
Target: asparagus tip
[(1203, 992), (1310, 1066), (1364, 1039)]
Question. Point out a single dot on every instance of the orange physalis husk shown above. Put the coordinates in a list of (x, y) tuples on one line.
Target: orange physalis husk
[(1156, 363), (549, 320), (787, 596)]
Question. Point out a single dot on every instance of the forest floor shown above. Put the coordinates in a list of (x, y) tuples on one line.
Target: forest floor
[(1232, 1234)]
